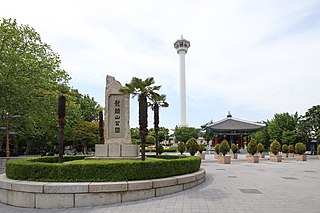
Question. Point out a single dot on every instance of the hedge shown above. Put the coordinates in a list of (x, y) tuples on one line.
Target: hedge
[(47, 170)]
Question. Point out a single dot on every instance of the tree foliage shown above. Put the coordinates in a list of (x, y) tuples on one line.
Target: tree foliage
[(185, 133), (280, 123), (181, 147), (192, 146), (84, 135), (311, 122), (145, 91), (262, 136), (31, 81), (163, 133)]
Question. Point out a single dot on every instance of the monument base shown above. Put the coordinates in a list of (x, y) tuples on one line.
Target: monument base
[(117, 150)]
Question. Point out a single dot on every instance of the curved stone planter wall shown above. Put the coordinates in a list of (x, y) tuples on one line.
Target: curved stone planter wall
[(67, 195)]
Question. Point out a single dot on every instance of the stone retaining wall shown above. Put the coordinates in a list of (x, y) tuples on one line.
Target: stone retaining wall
[(67, 195)]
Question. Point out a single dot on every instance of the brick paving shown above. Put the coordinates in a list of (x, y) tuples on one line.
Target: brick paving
[(289, 186)]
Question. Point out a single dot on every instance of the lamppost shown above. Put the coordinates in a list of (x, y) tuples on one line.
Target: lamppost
[(8, 117)]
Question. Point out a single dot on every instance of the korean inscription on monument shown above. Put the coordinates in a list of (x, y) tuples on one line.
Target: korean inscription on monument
[(116, 118)]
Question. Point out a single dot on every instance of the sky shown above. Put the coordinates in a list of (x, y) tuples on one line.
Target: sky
[(253, 58)]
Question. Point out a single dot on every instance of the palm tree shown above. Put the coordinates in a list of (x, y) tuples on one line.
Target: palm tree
[(144, 91), (157, 101), (62, 121)]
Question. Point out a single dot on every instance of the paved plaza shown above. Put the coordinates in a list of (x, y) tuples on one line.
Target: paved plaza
[(289, 186)]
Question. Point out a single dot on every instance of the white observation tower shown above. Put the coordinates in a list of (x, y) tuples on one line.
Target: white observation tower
[(182, 46)]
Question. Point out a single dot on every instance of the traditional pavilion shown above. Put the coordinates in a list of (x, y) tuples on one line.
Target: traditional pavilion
[(231, 129)]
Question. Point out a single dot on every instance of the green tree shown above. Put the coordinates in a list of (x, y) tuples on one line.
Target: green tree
[(150, 140), (135, 133), (262, 136), (310, 124), (157, 101), (163, 133), (85, 135), (181, 147), (62, 121), (192, 146), (252, 147), (275, 147), (144, 90), (185, 133), (224, 147), (30, 79), (281, 123)]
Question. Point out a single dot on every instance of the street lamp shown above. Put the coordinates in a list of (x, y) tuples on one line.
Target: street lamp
[(8, 118)]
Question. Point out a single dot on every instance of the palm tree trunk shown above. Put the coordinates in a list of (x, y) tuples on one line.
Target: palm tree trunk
[(101, 126), (61, 117), (156, 125), (143, 123)]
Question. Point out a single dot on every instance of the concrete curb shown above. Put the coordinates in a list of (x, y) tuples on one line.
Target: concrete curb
[(31, 194)]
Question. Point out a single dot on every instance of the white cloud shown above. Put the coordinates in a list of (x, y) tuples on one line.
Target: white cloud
[(255, 58)]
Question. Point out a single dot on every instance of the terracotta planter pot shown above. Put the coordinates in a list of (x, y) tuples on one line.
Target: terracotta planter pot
[(319, 156), (253, 158), (301, 157), (203, 155), (224, 159), (290, 155), (216, 156), (276, 158), (261, 155), (235, 156)]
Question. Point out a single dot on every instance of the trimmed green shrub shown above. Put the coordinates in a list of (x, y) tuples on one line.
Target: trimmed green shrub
[(318, 149), (300, 148), (172, 156), (170, 149), (160, 149), (275, 147), (260, 148), (291, 149), (285, 148), (252, 147), (192, 146), (35, 169), (217, 148), (224, 147), (150, 140), (181, 147), (202, 147), (234, 148)]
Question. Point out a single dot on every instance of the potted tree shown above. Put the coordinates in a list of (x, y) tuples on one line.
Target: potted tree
[(285, 149), (260, 149), (300, 149), (234, 149), (291, 151), (318, 150), (275, 149), (192, 146), (202, 148), (217, 150), (181, 147), (224, 149), (252, 149)]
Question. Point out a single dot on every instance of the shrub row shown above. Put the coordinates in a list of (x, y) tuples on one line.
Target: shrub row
[(45, 169)]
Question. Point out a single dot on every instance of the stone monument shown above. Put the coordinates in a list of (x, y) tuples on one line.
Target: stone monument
[(117, 137)]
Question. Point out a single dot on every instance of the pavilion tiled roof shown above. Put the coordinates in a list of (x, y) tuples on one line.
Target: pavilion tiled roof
[(230, 123)]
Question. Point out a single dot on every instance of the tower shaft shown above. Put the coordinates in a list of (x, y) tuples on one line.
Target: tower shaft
[(183, 113), (182, 46)]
